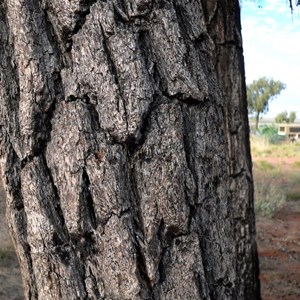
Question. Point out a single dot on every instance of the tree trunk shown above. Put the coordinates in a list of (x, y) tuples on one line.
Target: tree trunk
[(125, 153), (229, 63), (256, 120)]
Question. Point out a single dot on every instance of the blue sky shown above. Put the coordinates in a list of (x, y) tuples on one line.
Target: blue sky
[(271, 37)]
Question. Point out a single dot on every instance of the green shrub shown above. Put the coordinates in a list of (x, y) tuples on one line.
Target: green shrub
[(268, 198), (267, 130), (270, 133), (277, 139)]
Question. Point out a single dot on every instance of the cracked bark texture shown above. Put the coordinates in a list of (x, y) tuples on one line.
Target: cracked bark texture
[(124, 149)]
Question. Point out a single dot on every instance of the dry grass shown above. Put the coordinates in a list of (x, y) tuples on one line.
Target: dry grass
[(261, 147), (276, 170)]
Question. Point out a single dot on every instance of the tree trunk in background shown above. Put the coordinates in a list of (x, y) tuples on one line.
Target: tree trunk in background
[(256, 120), (125, 152)]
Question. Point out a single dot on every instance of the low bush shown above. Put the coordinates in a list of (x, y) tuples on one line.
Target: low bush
[(268, 198)]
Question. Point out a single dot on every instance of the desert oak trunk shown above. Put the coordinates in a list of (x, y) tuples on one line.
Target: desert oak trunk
[(124, 149)]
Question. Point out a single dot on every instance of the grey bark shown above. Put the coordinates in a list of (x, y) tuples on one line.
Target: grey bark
[(229, 64), (124, 145)]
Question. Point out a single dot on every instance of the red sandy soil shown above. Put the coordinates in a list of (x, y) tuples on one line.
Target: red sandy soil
[(278, 241)]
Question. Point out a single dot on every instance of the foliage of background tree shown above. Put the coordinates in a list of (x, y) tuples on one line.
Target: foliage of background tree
[(259, 93), (292, 117), (284, 117)]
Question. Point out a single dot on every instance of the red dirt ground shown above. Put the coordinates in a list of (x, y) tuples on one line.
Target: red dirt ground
[(278, 241)]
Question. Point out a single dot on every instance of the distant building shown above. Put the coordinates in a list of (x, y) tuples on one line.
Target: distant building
[(292, 131)]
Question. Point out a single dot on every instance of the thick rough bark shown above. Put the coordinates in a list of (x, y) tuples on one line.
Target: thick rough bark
[(125, 151), (229, 62)]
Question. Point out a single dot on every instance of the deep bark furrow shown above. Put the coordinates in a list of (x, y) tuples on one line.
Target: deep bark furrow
[(56, 209), (142, 269), (80, 21), (88, 199)]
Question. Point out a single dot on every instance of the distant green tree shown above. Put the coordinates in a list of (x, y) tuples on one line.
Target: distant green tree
[(292, 117), (284, 117), (259, 93)]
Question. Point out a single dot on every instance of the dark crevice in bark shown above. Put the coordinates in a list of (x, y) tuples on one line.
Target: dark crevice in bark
[(121, 214), (188, 100), (138, 234), (241, 173), (83, 98), (83, 245), (22, 234), (120, 15), (32, 289), (111, 63), (133, 145), (58, 215), (95, 289), (145, 46), (161, 266), (113, 70), (143, 41), (206, 268), (58, 88), (81, 270), (182, 19), (81, 19), (134, 196), (61, 249), (188, 147), (28, 159), (200, 42), (41, 146), (156, 77), (95, 119), (141, 264), (198, 280), (87, 200), (13, 183), (53, 39), (48, 119)]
